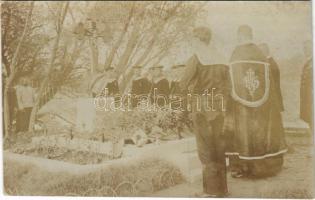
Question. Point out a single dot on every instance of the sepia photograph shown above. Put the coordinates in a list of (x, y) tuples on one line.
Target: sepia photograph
[(203, 99)]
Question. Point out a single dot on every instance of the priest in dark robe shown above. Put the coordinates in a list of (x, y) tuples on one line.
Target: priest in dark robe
[(258, 142), (160, 90), (203, 75), (306, 91), (140, 86)]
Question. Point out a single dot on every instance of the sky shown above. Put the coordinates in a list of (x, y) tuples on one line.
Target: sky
[(283, 25)]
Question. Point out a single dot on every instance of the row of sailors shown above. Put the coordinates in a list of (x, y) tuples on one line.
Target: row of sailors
[(155, 84)]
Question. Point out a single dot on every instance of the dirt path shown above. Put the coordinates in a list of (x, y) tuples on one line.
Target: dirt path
[(296, 180)]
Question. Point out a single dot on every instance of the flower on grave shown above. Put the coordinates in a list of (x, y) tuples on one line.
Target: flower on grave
[(116, 125)]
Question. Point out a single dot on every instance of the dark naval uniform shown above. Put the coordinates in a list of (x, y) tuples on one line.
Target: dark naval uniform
[(160, 88), (139, 87), (275, 73), (306, 93), (113, 90), (100, 82), (112, 87)]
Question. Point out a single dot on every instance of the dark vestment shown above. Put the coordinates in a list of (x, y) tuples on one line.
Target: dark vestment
[(257, 134), (306, 93), (208, 123), (139, 87), (160, 88)]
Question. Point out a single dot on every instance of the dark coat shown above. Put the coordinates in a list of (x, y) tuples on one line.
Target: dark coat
[(275, 73), (113, 88), (160, 88), (208, 123), (198, 78), (175, 88), (139, 87), (306, 93)]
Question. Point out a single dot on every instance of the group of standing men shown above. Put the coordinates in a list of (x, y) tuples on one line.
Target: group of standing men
[(252, 120), (250, 131), (250, 86), (156, 86), (152, 86)]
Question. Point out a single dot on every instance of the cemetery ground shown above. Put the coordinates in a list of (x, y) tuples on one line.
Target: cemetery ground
[(150, 176), (294, 181)]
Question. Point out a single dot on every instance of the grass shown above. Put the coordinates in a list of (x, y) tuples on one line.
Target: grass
[(292, 193)]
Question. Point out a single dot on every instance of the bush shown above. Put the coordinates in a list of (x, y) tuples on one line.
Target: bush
[(138, 179), (122, 124)]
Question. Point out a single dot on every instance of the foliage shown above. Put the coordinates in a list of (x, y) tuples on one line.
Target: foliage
[(66, 46), (123, 124), (135, 33), (31, 56)]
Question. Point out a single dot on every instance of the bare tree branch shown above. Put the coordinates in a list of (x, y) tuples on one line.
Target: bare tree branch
[(13, 69), (61, 18), (111, 55)]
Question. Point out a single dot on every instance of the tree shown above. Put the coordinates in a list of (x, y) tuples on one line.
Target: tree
[(119, 41), (59, 27), (127, 34), (146, 31), (11, 63)]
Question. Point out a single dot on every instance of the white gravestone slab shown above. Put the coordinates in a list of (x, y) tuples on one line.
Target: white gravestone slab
[(85, 115)]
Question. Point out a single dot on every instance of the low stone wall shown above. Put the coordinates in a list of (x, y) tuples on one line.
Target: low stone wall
[(298, 127)]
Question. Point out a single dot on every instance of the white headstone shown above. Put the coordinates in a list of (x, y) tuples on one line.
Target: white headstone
[(85, 115)]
